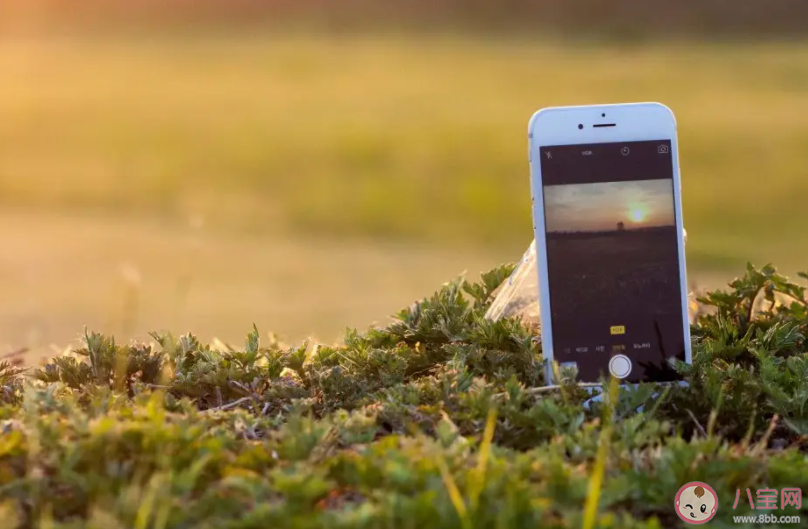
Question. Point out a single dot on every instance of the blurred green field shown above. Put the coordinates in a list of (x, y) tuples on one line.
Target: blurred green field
[(402, 139), (420, 139)]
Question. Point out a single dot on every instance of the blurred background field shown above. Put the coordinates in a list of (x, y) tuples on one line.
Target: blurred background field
[(200, 166)]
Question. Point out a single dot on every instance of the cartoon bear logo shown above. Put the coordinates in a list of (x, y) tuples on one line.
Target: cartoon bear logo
[(696, 503)]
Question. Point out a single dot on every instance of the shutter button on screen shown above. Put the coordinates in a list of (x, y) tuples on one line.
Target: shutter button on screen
[(620, 366)]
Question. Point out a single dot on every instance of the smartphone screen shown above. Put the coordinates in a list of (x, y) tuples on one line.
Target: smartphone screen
[(613, 259)]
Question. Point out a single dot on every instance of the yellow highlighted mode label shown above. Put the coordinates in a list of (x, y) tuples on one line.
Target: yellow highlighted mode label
[(618, 329)]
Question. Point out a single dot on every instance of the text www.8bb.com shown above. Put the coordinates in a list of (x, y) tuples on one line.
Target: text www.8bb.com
[(766, 519)]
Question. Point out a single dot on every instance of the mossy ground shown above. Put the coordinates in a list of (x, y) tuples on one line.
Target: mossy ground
[(437, 420)]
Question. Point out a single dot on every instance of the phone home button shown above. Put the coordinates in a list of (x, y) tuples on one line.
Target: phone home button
[(620, 366)]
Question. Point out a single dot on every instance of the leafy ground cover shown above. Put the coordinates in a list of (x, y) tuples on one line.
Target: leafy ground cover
[(436, 420)]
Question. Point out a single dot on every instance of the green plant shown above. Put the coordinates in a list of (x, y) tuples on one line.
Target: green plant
[(437, 420)]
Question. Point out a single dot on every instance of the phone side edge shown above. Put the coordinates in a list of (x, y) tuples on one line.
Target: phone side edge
[(537, 209), (682, 253)]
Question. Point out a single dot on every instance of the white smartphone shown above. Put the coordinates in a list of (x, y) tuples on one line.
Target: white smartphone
[(607, 218)]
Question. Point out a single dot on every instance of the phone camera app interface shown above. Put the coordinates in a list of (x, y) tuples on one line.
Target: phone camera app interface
[(613, 259)]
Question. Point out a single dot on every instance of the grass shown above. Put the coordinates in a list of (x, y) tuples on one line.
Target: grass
[(436, 420), (128, 276), (389, 137)]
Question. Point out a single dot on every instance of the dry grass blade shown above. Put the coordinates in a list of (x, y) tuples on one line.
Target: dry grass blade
[(714, 413), (14, 353), (548, 389), (144, 513), (596, 479), (696, 422), (229, 406), (454, 493), (761, 445), (477, 484)]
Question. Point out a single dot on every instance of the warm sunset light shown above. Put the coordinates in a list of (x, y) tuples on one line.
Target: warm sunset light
[(637, 214)]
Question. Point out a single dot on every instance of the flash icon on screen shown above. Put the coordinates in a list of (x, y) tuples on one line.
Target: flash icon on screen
[(618, 329)]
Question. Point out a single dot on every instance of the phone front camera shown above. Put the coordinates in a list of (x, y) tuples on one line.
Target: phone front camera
[(580, 126), (603, 115)]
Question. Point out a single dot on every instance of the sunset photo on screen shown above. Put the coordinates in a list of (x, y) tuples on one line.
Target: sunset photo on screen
[(612, 250), (611, 206)]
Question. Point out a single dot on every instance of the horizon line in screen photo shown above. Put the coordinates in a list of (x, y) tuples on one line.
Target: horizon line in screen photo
[(609, 207)]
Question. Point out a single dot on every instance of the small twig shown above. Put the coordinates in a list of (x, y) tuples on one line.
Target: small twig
[(797, 442), (548, 389), (266, 408), (346, 358), (256, 401), (233, 404), (219, 396), (157, 386), (698, 425), (16, 352), (241, 387), (751, 307), (764, 441), (545, 389), (247, 390)]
